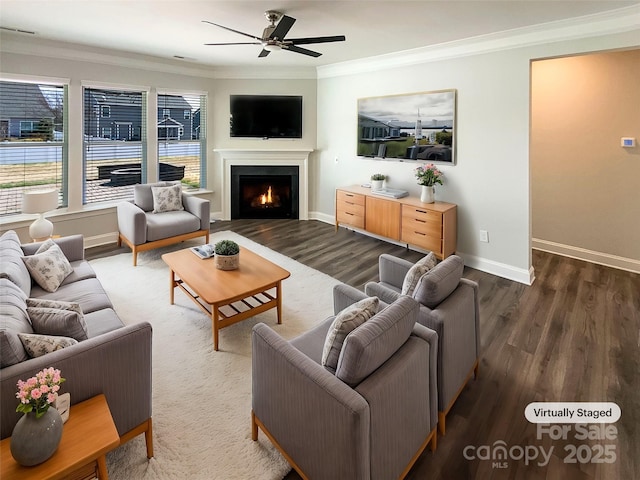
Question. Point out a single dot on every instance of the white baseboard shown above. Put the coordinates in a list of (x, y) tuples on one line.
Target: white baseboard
[(606, 259), (503, 270), (322, 217), (99, 240)]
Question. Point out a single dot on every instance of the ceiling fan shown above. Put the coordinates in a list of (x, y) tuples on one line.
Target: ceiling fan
[(273, 37)]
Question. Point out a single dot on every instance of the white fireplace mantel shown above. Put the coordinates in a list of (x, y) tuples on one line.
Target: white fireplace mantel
[(289, 157)]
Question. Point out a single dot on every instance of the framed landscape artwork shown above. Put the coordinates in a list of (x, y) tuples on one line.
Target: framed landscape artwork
[(414, 126)]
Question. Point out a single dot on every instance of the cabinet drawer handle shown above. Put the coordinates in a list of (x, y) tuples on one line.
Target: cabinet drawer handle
[(421, 211), (348, 195), (420, 233), (349, 203), (420, 221), (348, 213)]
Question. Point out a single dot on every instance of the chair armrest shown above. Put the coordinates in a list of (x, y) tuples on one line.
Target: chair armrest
[(385, 294), (345, 296), (431, 337), (72, 246), (198, 207), (392, 270), (308, 410), (117, 363), (132, 222)]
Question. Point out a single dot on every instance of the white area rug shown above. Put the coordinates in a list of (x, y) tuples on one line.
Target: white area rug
[(202, 398)]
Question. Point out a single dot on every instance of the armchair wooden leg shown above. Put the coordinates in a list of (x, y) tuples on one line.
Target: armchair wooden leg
[(434, 441), (254, 427), (148, 438), (441, 425), (135, 256)]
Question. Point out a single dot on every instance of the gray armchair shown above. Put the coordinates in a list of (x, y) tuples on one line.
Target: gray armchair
[(373, 418), (449, 305), (141, 229)]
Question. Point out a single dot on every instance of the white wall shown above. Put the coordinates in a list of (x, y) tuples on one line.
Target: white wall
[(104, 68), (490, 183)]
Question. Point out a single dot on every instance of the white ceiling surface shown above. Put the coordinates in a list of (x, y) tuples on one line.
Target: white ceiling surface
[(166, 28)]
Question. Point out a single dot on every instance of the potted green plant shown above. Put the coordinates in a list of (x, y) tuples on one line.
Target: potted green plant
[(227, 255), (377, 180)]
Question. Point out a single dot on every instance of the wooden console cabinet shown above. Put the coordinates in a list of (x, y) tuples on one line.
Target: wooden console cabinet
[(429, 226)]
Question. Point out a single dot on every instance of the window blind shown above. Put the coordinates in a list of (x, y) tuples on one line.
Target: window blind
[(114, 156), (182, 138), (33, 148)]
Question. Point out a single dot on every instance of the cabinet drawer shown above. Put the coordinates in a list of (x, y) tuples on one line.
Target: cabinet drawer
[(350, 218), (350, 198), (422, 240)]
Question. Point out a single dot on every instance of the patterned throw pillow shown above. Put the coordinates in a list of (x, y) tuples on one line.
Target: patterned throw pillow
[(48, 266), (421, 267), (38, 345), (59, 304), (53, 321), (167, 199), (345, 322)]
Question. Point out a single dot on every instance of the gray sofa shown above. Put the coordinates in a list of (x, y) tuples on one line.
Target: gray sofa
[(449, 305), (140, 228), (114, 360), (372, 418)]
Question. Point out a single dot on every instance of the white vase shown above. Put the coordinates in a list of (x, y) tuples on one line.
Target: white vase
[(426, 195)]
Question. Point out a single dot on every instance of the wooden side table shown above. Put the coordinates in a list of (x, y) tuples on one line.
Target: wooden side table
[(86, 438)]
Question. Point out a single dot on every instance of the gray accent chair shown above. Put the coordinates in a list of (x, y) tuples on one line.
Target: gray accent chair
[(373, 418), (449, 305), (141, 229)]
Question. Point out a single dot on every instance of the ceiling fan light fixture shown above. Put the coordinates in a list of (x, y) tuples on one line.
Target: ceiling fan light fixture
[(272, 47)]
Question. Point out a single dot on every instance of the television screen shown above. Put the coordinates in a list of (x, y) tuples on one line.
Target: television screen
[(266, 116)]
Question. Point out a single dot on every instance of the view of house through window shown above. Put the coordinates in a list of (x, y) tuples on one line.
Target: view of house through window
[(181, 138), (114, 143), (32, 146)]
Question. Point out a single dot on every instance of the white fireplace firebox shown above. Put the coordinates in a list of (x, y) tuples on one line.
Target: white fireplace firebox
[(257, 157)]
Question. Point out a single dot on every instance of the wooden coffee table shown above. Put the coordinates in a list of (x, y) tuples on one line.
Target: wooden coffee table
[(86, 437), (229, 296)]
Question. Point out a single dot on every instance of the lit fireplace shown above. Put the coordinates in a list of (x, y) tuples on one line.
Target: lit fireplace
[(266, 200)]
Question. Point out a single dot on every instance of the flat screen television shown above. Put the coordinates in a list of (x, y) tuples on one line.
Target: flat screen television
[(266, 116)]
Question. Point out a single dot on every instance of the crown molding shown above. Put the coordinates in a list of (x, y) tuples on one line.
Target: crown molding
[(611, 22), (21, 45)]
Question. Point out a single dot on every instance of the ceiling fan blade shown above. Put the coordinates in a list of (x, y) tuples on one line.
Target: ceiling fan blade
[(236, 43), (283, 27), (303, 41), (263, 53), (304, 51), (232, 30)]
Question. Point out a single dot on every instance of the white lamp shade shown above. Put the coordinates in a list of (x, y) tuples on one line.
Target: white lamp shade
[(40, 202)]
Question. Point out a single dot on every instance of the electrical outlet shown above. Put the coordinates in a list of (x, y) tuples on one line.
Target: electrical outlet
[(484, 236)]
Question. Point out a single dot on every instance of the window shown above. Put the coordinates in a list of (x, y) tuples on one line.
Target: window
[(182, 144), (166, 113), (33, 150), (114, 145)]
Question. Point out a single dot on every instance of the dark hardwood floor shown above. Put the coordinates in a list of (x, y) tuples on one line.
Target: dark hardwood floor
[(574, 335)]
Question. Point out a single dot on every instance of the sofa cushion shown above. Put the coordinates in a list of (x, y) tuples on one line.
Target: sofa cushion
[(55, 321), (37, 345), (421, 267), (142, 195), (170, 224), (438, 283), (375, 341), (48, 267), (13, 320), (11, 264), (167, 199), (102, 321), (88, 293), (345, 322)]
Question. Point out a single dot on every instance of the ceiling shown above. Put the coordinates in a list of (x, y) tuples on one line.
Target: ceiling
[(169, 28)]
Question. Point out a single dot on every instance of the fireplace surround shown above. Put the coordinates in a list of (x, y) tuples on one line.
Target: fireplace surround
[(264, 157)]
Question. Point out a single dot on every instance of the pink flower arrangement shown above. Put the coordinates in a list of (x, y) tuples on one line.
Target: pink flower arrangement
[(428, 175), (38, 393)]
